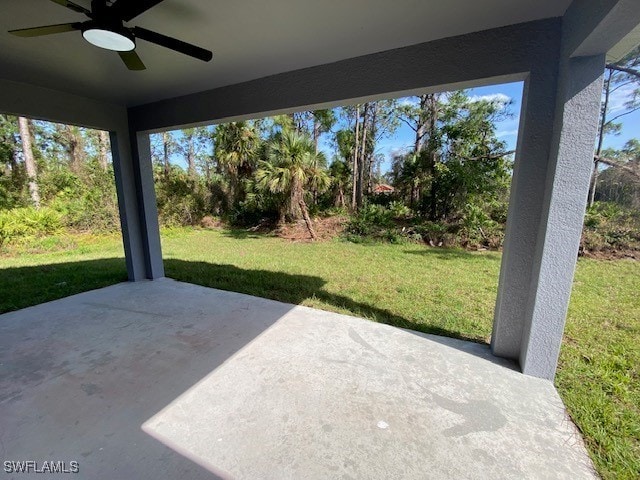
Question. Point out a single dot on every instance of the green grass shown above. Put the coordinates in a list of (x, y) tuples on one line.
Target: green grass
[(599, 374), (449, 292)]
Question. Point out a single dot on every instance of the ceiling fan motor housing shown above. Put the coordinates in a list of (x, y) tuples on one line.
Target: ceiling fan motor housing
[(109, 34)]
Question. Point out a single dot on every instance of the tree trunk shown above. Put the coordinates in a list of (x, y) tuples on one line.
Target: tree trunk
[(29, 160), (75, 148), (421, 128), (374, 117), (296, 196), (433, 154), (316, 137), (103, 147), (340, 197), (354, 191), (191, 164), (363, 149), (316, 133), (232, 191), (603, 122), (191, 157), (307, 219), (165, 159)]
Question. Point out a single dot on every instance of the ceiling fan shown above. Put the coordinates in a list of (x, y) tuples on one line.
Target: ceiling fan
[(105, 28)]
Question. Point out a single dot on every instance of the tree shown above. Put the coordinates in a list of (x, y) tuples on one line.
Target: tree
[(29, 160), (236, 145), (104, 145), (339, 175), (355, 154), (12, 175), (619, 77), (621, 182), (71, 139), (168, 146), (455, 154), (290, 172), (192, 143), (384, 122)]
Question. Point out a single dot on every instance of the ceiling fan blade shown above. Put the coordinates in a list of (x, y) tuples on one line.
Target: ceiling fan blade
[(172, 43), (129, 9), (73, 6), (132, 60), (46, 30)]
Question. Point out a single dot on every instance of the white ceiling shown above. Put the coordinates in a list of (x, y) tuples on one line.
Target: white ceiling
[(250, 39)]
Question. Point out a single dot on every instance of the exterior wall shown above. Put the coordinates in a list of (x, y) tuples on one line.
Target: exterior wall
[(456, 62)]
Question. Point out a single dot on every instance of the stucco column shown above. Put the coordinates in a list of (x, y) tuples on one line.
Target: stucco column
[(137, 204), (546, 217), (565, 201)]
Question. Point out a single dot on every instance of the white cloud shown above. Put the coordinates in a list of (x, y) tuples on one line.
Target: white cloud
[(621, 96), (507, 133), (408, 101), (500, 98)]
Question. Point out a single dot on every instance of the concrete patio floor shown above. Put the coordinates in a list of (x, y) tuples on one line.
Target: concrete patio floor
[(170, 380)]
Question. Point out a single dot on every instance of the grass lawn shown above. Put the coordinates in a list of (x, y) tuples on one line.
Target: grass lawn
[(448, 292)]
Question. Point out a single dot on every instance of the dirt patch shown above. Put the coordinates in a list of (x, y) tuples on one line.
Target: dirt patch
[(610, 254), (211, 222), (326, 228)]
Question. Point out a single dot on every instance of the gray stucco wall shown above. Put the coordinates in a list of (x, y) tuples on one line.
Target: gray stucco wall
[(565, 200), (498, 55), (525, 207)]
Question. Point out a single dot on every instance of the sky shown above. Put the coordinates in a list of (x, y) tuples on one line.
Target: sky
[(507, 129)]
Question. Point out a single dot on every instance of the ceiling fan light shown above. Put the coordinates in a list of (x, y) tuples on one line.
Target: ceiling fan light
[(109, 39)]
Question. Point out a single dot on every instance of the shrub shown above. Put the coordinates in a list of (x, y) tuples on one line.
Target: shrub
[(399, 210), (371, 221), (478, 228), (435, 233), (608, 226), (28, 222), (182, 200)]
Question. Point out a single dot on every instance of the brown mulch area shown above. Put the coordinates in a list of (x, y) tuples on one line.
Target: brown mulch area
[(326, 229)]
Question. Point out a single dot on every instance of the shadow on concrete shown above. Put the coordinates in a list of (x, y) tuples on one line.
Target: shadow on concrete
[(79, 377)]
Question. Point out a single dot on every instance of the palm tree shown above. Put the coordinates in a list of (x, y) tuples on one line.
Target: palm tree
[(292, 169), (236, 145)]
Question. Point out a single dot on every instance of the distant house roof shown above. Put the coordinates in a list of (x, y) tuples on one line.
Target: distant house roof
[(383, 188)]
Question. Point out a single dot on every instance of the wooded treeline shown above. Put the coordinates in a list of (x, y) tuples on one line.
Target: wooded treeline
[(449, 185)]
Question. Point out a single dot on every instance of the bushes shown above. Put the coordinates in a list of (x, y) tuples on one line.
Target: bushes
[(25, 223), (87, 202), (610, 227), (371, 221), (397, 222), (477, 228), (182, 200)]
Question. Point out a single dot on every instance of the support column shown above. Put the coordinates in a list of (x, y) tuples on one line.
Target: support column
[(137, 204), (546, 215), (565, 201), (525, 210)]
